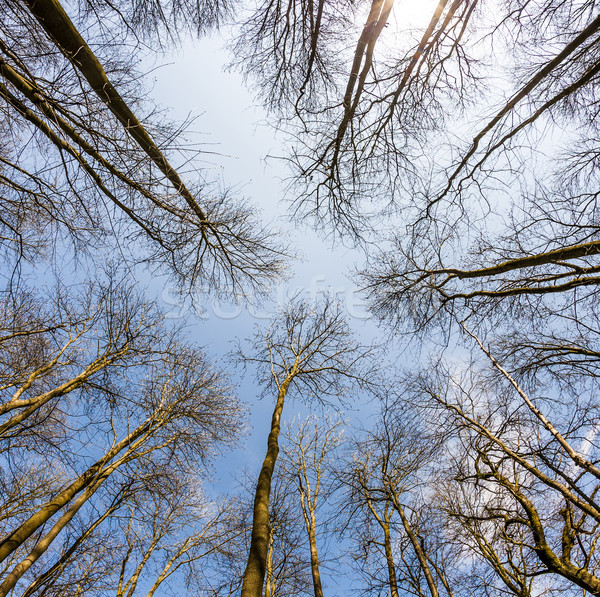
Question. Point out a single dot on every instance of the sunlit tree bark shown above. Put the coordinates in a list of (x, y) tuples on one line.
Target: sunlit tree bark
[(308, 454), (310, 354)]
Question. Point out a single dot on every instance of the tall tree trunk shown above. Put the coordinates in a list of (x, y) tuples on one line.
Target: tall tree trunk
[(254, 575), (57, 24), (389, 558), (418, 549), (43, 544), (308, 511), (384, 523), (314, 557)]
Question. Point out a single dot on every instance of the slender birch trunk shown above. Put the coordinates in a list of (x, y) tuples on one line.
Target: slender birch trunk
[(308, 512)]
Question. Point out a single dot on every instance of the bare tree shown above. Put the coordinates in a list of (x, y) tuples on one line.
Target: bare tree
[(110, 395), (106, 171), (309, 452), (307, 354), (528, 498), (387, 478)]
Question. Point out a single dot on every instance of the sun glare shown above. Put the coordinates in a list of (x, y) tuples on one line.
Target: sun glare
[(414, 13)]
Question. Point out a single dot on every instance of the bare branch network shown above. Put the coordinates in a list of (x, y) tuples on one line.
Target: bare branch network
[(456, 145)]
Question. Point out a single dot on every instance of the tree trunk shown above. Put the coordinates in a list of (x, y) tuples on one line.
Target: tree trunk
[(43, 544), (384, 523), (55, 21), (15, 539), (389, 558), (314, 557), (254, 575), (418, 550), (308, 511)]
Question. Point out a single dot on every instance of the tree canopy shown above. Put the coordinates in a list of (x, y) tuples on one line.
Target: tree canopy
[(454, 145)]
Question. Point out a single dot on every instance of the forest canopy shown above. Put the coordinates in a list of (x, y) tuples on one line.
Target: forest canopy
[(454, 145)]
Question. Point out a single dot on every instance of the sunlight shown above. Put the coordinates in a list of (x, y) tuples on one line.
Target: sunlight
[(413, 13)]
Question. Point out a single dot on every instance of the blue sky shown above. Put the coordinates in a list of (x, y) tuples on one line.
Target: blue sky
[(231, 126)]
